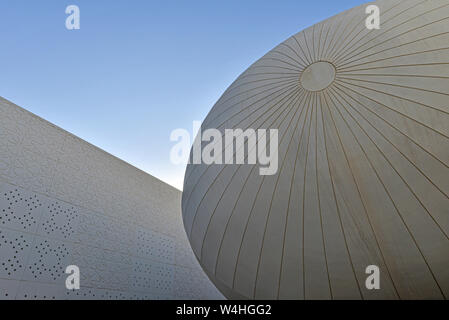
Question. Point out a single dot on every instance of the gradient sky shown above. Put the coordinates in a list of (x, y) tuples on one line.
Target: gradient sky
[(138, 69)]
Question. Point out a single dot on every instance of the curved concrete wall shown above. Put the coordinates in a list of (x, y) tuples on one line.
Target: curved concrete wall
[(363, 177), (65, 202)]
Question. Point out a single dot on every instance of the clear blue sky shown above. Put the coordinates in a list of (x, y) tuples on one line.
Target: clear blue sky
[(139, 69)]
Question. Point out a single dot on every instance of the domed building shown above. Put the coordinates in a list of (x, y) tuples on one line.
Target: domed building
[(363, 164)]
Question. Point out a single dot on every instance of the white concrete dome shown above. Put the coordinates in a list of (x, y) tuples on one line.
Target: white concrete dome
[(363, 178)]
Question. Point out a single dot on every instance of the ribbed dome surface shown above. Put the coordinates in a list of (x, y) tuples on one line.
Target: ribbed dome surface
[(363, 178)]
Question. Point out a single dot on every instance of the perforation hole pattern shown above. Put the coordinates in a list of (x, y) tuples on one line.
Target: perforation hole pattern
[(155, 246), (46, 253), (59, 212), (38, 235), (20, 209), (11, 249)]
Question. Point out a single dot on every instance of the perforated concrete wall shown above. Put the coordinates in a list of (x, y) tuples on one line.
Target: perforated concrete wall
[(65, 202)]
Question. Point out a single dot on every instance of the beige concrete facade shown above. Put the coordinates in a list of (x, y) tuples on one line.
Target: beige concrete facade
[(363, 179), (65, 202)]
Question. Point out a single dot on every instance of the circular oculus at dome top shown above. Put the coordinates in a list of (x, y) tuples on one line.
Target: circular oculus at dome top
[(363, 165), (318, 76)]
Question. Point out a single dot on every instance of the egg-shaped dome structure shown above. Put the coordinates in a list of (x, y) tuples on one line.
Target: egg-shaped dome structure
[(363, 164)]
